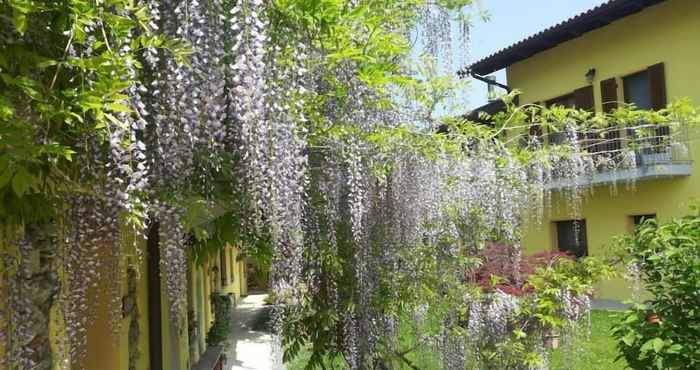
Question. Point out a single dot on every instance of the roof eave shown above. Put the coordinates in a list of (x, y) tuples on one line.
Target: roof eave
[(570, 29)]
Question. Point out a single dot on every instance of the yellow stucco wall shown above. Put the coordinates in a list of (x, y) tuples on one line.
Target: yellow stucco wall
[(668, 33), (237, 285), (105, 349), (109, 350)]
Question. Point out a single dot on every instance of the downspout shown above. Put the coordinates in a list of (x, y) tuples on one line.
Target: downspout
[(469, 72), (488, 81)]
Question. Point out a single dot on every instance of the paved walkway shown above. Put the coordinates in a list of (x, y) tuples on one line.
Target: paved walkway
[(249, 349), (609, 305)]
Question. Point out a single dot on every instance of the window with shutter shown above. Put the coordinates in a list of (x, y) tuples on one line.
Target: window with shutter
[(638, 90), (566, 101), (657, 86), (647, 90), (608, 94), (639, 219), (571, 237), (583, 98), (611, 142), (592, 140)]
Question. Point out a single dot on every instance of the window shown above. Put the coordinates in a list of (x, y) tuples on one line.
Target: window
[(566, 101), (647, 90), (581, 98), (571, 237), (639, 219), (637, 90)]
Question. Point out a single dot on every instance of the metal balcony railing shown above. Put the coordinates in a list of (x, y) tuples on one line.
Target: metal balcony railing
[(642, 152)]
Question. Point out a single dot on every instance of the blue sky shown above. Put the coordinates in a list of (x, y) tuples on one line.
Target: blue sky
[(511, 21)]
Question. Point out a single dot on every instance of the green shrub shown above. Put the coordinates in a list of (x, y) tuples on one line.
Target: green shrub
[(221, 328), (664, 332)]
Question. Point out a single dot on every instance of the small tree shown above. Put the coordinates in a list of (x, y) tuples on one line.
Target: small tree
[(664, 332)]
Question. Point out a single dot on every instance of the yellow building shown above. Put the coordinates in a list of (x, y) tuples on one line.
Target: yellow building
[(147, 337), (644, 52), (173, 347)]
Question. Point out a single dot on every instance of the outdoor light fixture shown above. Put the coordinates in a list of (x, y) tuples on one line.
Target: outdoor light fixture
[(590, 75)]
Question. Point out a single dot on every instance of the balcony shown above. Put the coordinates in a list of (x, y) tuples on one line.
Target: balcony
[(645, 152)]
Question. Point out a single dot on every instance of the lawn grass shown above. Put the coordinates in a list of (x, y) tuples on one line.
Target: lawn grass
[(597, 354)]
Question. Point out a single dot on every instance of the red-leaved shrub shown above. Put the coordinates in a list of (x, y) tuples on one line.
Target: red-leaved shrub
[(499, 265)]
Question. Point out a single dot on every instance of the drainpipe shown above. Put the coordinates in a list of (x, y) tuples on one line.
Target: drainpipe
[(489, 81)]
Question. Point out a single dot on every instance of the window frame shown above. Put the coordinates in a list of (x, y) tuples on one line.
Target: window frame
[(583, 247), (633, 223), (625, 86), (555, 100), (662, 132)]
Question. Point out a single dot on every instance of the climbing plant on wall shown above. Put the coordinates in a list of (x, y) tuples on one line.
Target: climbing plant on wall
[(302, 129)]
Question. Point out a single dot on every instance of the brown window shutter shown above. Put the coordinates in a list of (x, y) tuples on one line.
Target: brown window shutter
[(584, 98), (657, 86), (608, 94)]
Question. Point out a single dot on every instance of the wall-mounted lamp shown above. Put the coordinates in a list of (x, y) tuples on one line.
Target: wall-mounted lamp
[(590, 75)]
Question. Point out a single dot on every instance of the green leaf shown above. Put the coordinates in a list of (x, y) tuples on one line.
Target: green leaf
[(119, 107), (656, 344), (629, 338), (5, 176), (20, 20), (4, 162), (47, 63), (113, 119), (21, 182), (660, 363), (674, 349)]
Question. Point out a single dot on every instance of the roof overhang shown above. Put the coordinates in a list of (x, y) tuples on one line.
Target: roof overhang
[(572, 28)]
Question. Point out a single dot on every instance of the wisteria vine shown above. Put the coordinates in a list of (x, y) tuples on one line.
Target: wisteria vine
[(282, 114)]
